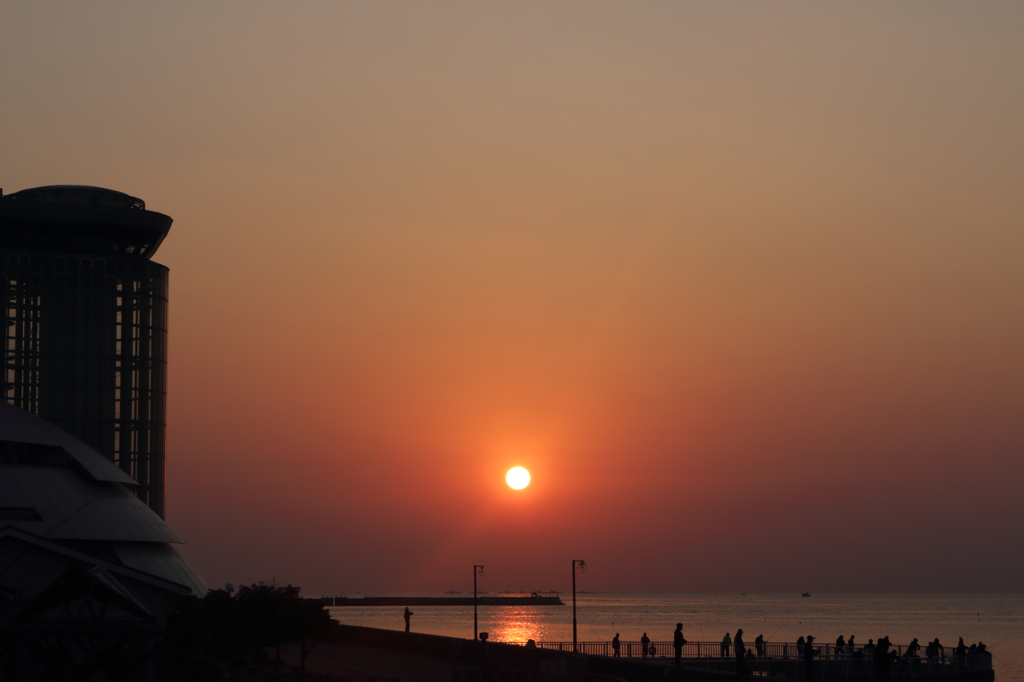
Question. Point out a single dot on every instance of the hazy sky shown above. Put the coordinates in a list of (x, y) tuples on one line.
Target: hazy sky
[(740, 283)]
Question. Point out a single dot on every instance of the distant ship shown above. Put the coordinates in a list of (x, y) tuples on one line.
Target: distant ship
[(805, 594)]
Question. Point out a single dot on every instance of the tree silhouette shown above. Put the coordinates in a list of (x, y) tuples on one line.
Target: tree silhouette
[(257, 616)]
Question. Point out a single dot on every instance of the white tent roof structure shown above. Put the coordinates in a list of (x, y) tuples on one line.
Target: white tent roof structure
[(69, 507), (61, 492), (18, 426)]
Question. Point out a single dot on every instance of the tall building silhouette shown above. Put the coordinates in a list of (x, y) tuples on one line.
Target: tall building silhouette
[(85, 309)]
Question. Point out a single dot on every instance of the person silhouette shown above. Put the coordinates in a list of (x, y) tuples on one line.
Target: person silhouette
[(840, 646), (678, 641), (800, 646), (615, 646), (644, 641), (741, 653), (809, 658), (882, 659), (960, 649), (726, 643), (408, 615), (759, 645)]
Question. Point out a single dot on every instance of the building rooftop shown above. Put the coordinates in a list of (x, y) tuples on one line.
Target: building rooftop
[(80, 195), (80, 219)]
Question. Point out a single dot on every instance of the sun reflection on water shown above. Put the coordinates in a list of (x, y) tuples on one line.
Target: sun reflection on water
[(517, 624)]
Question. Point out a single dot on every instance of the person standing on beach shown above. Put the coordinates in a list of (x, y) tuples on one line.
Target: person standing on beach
[(644, 641), (408, 615), (678, 641)]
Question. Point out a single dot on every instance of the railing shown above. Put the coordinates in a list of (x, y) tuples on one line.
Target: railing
[(786, 659)]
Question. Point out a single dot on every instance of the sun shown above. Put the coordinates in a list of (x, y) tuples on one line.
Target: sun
[(517, 478)]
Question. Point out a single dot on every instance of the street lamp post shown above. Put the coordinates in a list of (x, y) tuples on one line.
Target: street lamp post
[(578, 565), (477, 570)]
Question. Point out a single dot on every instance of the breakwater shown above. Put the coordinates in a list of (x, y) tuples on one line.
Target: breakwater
[(487, 600)]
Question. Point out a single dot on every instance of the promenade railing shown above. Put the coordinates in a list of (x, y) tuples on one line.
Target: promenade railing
[(786, 658)]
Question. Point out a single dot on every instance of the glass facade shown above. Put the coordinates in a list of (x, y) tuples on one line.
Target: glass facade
[(86, 334)]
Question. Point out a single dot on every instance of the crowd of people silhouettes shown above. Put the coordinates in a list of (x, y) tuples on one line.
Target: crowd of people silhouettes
[(882, 653)]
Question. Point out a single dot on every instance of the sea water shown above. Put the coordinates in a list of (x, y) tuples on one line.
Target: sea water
[(996, 619)]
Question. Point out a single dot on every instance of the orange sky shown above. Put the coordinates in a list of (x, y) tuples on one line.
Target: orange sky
[(739, 283)]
